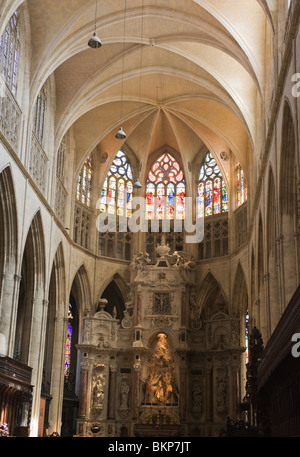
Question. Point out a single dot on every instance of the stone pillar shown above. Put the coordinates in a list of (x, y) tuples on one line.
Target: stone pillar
[(182, 386), (267, 305), (136, 387), (209, 394), (36, 356), (235, 390), (83, 389), (9, 299), (280, 266), (112, 393), (139, 306)]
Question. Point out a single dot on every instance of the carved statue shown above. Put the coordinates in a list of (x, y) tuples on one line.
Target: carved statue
[(221, 395), (124, 392), (98, 391), (195, 318), (161, 386), (140, 261)]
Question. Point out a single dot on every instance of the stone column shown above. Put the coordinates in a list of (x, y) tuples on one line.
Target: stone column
[(36, 356), (235, 389), (209, 393), (9, 299), (182, 386), (280, 266), (112, 393), (139, 306), (136, 387), (83, 389)]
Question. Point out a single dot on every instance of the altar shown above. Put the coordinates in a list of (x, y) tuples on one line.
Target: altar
[(163, 368)]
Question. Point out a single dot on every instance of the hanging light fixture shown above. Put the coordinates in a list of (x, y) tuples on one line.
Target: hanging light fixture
[(95, 42), (121, 135), (137, 184)]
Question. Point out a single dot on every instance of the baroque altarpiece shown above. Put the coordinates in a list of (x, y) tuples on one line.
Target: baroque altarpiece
[(168, 367)]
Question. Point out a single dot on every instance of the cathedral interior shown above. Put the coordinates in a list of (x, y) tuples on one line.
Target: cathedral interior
[(149, 218)]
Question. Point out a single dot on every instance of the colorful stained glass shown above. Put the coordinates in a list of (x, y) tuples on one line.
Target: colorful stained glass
[(68, 343), (150, 201), (247, 319), (241, 186), (165, 189), (116, 194), (84, 184), (212, 193)]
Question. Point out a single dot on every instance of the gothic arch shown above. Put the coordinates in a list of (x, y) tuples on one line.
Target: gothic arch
[(288, 203), (81, 290), (240, 293), (8, 253), (8, 220), (55, 334), (115, 291), (32, 291), (211, 296), (288, 164)]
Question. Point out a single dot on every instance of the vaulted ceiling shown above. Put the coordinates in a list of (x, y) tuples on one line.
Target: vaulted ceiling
[(183, 73)]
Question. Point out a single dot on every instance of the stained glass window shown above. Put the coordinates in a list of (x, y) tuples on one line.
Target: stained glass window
[(68, 342), (212, 193), (9, 53), (116, 194), (241, 185), (84, 183), (247, 337), (40, 114), (165, 189)]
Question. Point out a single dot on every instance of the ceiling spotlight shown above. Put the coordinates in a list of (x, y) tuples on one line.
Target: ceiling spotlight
[(137, 184), (94, 42), (121, 135)]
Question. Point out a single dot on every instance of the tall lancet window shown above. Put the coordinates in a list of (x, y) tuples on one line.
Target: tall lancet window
[(241, 185), (40, 114), (116, 194), (165, 189), (84, 183), (68, 342), (212, 193), (10, 52)]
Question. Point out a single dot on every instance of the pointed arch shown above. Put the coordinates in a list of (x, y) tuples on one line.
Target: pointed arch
[(117, 191), (32, 290), (54, 333), (211, 296), (288, 215), (288, 175), (212, 192), (240, 292), (81, 289), (115, 291), (8, 219), (165, 189), (8, 253)]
